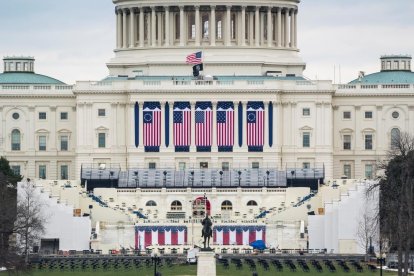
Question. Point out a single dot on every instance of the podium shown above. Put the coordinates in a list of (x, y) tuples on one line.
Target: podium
[(206, 263)]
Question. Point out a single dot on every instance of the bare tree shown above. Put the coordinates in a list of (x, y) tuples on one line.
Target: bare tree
[(367, 231), (30, 221)]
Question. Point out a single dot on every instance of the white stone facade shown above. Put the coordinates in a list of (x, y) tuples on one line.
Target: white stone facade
[(58, 128)]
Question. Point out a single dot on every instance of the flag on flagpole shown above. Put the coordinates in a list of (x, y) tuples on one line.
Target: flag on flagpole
[(195, 58)]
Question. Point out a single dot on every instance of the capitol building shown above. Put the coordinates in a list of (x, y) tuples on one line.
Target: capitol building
[(157, 131)]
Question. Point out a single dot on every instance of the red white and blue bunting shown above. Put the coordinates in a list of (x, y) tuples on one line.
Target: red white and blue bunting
[(159, 235), (238, 235)]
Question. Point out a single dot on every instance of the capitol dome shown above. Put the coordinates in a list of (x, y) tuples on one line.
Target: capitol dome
[(236, 37), (20, 70)]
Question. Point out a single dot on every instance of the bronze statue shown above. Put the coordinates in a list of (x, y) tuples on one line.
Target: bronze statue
[(207, 231)]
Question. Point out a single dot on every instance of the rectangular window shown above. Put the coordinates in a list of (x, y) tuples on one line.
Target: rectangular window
[(347, 115), (225, 166), (102, 140), (255, 165), (347, 171), (347, 142), (64, 143), (16, 169), (306, 140), (368, 141), (42, 143), (42, 172), (64, 172), (203, 165), (306, 165), (368, 114), (42, 115), (306, 111), (101, 112), (63, 115), (368, 171), (181, 166), (152, 165)]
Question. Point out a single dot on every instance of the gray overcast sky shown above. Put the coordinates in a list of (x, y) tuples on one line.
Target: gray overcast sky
[(72, 40)]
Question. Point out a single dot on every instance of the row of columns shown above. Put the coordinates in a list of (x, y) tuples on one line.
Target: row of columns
[(239, 26)]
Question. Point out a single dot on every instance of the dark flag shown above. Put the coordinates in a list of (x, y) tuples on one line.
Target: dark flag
[(196, 69)]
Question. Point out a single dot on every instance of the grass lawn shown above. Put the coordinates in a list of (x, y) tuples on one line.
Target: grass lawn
[(192, 270)]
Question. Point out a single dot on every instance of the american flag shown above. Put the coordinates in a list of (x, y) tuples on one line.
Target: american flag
[(203, 124), (152, 124), (255, 124), (182, 124), (225, 124), (195, 58)]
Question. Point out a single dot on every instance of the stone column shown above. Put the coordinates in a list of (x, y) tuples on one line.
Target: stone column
[(269, 27), (262, 38), (124, 29), (182, 32), (286, 28), (141, 27), (228, 25), (167, 26), (257, 27), (131, 28), (243, 26), (153, 29), (279, 27), (197, 25), (118, 29), (292, 27), (159, 31), (251, 29), (213, 26), (295, 36)]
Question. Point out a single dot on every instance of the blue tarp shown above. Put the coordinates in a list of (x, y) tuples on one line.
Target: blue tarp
[(259, 244)]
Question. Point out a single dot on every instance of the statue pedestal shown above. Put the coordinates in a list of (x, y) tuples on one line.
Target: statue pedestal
[(206, 263)]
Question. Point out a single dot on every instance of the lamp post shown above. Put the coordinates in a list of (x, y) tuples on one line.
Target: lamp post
[(221, 178), (136, 179), (381, 259), (111, 174), (155, 259), (165, 178), (267, 174), (291, 179), (192, 178), (239, 173)]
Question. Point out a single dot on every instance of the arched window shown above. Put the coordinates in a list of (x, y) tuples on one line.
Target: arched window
[(15, 139), (226, 205), (252, 203), (176, 206), (151, 203), (395, 138)]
